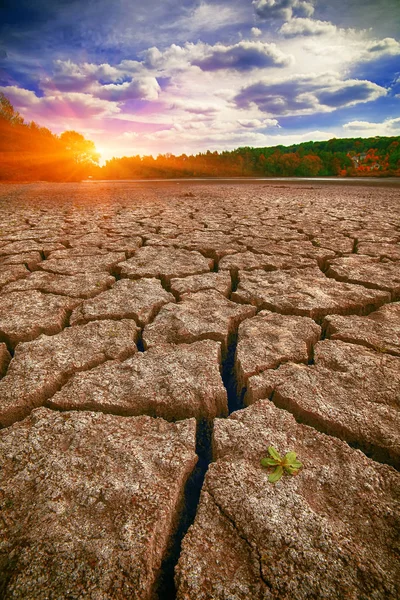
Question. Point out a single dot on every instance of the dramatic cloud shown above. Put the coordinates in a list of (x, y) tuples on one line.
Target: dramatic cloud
[(307, 27), (282, 9), (388, 46), (305, 94), (68, 76), (117, 83), (144, 88), (242, 57)]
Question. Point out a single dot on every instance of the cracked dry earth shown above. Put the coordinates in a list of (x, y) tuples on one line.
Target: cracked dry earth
[(154, 341)]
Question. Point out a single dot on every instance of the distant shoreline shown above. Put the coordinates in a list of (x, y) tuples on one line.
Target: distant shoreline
[(283, 181), (370, 181)]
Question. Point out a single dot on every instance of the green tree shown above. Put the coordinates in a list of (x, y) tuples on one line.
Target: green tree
[(7, 112)]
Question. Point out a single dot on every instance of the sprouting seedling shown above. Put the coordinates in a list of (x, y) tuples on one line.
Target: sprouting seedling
[(289, 464)]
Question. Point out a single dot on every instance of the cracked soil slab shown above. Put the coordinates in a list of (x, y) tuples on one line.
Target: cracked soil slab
[(204, 315), (270, 339), (380, 330), (367, 271), (89, 503), (221, 282), (139, 300), (82, 264), (248, 261), (25, 315), (305, 292), (39, 368), (165, 263), (331, 532), (350, 392), (84, 285), (9, 273), (172, 382)]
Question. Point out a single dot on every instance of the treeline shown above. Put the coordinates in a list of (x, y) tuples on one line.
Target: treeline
[(29, 152), (352, 157)]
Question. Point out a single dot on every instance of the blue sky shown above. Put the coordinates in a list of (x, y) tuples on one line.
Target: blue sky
[(156, 77)]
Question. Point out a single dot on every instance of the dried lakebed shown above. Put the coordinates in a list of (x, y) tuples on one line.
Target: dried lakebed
[(155, 339)]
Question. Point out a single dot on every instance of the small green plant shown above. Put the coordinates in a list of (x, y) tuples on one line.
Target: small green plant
[(289, 464)]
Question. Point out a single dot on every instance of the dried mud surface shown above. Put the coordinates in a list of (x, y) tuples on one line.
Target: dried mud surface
[(155, 339)]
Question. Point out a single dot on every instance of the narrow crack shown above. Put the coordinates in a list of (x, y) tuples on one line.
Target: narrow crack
[(252, 548), (115, 272), (6, 340), (234, 272)]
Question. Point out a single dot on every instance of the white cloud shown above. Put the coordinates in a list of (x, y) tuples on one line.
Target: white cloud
[(19, 97), (70, 105), (388, 127), (385, 47), (174, 57), (258, 123), (207, 18), (129, 135), (196, 108), (360, 125), (256, 32), (307, 27)]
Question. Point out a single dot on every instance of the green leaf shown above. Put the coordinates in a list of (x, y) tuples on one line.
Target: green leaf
[(291, 470), (276, 475), (290, 458), (296, 464), (272, 452), (268, 462)]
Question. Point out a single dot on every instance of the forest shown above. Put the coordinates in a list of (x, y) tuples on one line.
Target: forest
[(29, 152), (353, 157)]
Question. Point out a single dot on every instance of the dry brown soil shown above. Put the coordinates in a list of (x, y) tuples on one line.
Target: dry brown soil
[(155, 339)]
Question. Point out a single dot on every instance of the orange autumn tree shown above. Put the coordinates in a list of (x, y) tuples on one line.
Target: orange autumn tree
[(30, 152)]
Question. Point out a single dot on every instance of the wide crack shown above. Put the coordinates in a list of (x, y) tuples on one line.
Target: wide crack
[(166, 589), (235, 401)]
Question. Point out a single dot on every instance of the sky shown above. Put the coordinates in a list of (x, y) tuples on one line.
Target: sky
[(151, 77)]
